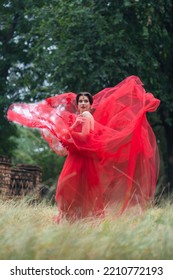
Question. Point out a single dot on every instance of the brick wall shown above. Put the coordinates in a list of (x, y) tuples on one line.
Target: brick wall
[(19, 180)]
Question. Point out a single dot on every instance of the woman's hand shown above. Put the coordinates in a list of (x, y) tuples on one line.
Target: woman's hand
[(79, 120)]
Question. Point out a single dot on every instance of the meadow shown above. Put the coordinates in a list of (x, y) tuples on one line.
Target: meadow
[(27, 231)]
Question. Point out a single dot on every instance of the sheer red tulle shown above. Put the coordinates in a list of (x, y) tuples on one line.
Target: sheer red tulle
[(117, 162)]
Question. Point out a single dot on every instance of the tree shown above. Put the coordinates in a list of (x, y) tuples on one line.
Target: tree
[(88, 45), (59, 46), (15, 75)]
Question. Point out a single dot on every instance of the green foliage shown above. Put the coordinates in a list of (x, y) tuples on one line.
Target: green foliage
[(98, 43), (12, 52), (48, 47), (32, 149)]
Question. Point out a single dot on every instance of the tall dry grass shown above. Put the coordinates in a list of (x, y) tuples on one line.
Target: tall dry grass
[(28, 232)]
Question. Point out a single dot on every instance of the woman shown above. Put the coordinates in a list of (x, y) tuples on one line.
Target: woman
[(79, 191), (112, 150)]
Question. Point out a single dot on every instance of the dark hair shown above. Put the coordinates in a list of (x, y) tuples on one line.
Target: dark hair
[(84, 94)]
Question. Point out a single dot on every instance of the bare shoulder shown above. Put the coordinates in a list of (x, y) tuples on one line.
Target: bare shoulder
[(87, 115)]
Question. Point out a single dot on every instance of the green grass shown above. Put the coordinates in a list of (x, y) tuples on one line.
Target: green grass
[(28, 232)]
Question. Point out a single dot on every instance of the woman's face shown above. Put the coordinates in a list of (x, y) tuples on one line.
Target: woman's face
[(83, 104)]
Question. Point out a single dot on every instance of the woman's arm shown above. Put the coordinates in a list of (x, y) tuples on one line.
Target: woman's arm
[(88, 125), (86, 121), (79, 120)]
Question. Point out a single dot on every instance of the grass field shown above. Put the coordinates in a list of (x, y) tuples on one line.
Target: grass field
[(28, 232)]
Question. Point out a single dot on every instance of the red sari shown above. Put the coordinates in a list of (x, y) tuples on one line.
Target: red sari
[(116, 162)]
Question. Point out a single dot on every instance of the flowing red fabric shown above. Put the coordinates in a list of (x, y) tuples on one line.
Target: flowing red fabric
[(117, 162)]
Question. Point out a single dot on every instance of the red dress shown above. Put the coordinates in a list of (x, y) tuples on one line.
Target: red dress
[(116, 162)]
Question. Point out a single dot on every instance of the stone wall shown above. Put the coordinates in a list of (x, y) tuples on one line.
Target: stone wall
[(19, 180), (5, 175)]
